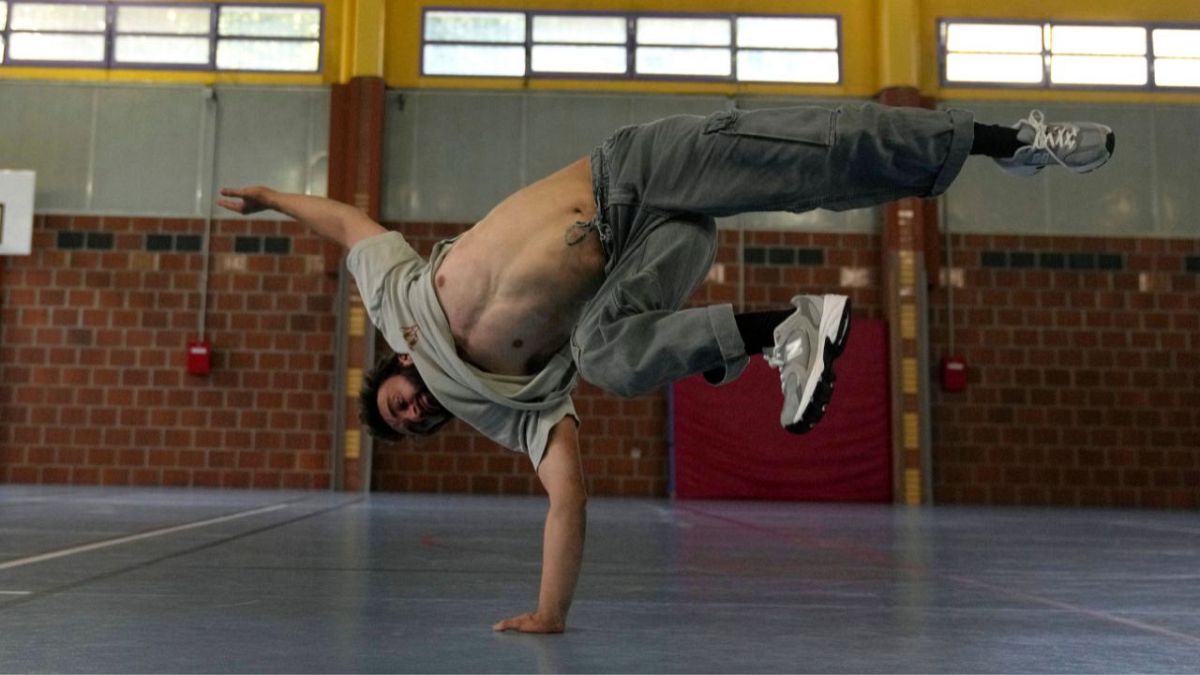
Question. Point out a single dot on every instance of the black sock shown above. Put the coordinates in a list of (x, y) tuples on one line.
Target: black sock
[(758, 333), (758, 328), (995, 141)]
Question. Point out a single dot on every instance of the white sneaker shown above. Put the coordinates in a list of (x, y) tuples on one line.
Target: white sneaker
[(1077, 146), (806, 343)]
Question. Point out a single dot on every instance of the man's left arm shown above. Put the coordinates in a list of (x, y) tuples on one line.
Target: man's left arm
[(561, 474)]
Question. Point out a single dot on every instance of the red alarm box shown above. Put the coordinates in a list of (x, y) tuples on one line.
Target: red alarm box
[(954, 373), (199, 357)]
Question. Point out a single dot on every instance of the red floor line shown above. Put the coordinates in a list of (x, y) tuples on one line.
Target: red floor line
[(864, 554)]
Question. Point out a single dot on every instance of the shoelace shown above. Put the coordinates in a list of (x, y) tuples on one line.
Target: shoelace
[(775, 358), (1051, 139)]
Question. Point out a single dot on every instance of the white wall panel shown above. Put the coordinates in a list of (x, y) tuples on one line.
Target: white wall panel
[(148, 149), (48, 128)]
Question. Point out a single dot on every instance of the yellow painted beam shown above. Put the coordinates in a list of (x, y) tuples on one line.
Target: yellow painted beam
[(363, 23), (352, 445), (912, 487), (899, 44)]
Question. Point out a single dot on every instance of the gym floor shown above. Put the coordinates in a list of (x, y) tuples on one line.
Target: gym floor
[(141, 580)]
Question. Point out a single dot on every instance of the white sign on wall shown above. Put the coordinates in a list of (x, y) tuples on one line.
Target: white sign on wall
[(16, 212)]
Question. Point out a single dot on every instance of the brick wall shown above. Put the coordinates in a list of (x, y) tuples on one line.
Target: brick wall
[(623, 441), (93, 328), (1084, 358)]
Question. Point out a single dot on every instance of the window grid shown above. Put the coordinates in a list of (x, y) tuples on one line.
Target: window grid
[(1047, 55), (631, 46), (111, 34)]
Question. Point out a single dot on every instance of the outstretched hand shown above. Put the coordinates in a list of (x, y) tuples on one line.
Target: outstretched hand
[(531, 623), (245, 200)]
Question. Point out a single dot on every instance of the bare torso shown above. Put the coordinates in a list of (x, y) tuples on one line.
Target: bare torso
[(513, 286)]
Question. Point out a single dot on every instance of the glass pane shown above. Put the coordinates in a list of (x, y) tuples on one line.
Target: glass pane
[(775, 66), (1013, 68), (588, 29), (677, 61), (1177, 43), (173, 20), (1122, 70), (994, 37), (3, 14), (154, 49), (38, 16), (63, 47), (556, 59), (269, 22), (787, 33), (661, 31), (474, 60), (1129, 40), (290, 55), (474, 27), (1177, 72)]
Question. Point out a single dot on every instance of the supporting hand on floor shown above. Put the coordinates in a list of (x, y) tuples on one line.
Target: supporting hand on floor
[(531, 623)]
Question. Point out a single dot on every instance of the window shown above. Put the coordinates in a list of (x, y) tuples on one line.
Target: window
[(129, 34), (269, 38), (721, 47), (1044, 54), (163, 35), (46, 32), (579, 44), (774, 49), (1176, 57), (696, 47), (474, 43)]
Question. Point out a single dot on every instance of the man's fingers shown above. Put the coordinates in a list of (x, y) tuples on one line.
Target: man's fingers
[(230, 204), (515, 623)]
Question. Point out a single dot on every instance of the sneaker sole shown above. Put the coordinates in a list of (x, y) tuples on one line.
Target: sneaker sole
[(820, 388)]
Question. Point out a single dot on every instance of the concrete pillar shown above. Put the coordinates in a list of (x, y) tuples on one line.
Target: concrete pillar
[(904, 269), (355, 160)]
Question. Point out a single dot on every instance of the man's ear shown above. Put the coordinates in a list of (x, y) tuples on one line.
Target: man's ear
[(404, 359)]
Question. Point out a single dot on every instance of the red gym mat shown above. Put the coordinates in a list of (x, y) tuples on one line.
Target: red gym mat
[(727, 442)]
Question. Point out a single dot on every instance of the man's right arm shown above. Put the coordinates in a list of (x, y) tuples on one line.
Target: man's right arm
[(340, 222)]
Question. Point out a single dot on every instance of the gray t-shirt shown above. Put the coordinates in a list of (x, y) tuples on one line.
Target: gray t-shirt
[(396, 286)]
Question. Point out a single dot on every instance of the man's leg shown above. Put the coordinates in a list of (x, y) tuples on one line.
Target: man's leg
[(630, 340), (790, 159), (633, 338), (801, 158)]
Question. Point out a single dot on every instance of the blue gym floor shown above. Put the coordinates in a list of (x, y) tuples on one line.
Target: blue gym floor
[(125, 580)]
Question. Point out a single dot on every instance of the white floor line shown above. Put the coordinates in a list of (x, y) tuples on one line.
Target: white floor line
[(19, 562), (16, 592)]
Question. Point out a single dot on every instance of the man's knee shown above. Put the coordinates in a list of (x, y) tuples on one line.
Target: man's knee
[(608, 373)]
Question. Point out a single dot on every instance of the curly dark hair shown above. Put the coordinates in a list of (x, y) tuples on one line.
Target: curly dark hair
[(368, 401)]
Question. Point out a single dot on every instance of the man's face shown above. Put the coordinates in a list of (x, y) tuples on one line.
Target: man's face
[(406, 405)]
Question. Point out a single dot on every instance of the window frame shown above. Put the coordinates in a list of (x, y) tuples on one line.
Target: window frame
[(1047, 56), (631, 46), (213, 36)]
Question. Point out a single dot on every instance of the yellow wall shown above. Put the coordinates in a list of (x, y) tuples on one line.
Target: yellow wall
[(885, 43)]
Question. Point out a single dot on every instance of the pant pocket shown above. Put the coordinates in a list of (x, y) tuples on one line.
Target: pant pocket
[(801, 124)]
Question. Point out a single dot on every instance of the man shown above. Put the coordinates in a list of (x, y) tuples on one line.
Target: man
[(582, 274)]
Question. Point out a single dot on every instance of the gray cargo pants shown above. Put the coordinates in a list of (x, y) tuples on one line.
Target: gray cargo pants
[(659, 185)]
